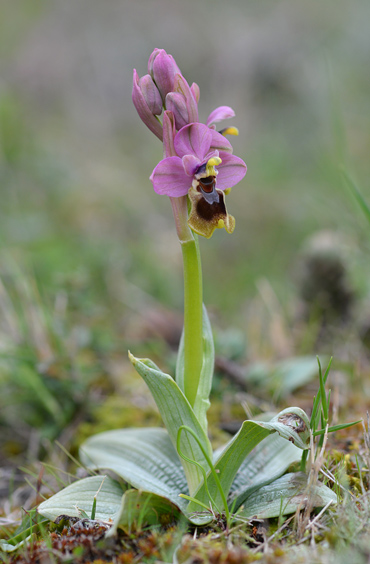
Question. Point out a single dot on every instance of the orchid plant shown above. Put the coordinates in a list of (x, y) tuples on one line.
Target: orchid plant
[(174, 470)]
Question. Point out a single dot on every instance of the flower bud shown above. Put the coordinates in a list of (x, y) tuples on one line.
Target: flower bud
[(151, 94), (147, 102), (182, 103), (176, 103), (163, 68)]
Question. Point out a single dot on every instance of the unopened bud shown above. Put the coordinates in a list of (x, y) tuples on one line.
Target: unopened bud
[(163, 69)]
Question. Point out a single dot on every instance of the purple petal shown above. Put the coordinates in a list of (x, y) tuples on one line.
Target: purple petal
[(169, 132), (176, 103), (194, 139), (151, 59), (151, 94), (181, 86), (154, 55), (143, 109), (220, 113), (163, 69), (190, 164), (230, 171), (196, 91), (220, 142), (169, 178)]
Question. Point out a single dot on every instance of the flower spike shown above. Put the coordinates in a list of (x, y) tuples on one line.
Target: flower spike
[(198, 160)]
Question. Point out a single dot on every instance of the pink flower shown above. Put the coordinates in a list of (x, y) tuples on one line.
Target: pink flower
[(196, 145), (203, 168)]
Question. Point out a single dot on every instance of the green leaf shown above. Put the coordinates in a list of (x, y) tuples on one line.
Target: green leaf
[(229, 462), (79, 497), (285, 495), (141, 509), (176, 411), (291, 424), (267, 462), (202, 403), (145, 458)]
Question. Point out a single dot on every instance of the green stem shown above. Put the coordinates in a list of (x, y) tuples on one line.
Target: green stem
[(193, 329)]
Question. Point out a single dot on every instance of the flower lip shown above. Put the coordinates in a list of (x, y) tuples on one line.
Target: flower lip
[(205, 217), (207, 183), (207, 186)]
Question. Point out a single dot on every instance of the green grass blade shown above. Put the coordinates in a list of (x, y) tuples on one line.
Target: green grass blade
[(357, 194), (328, 370), (336, 428), (322, 392)]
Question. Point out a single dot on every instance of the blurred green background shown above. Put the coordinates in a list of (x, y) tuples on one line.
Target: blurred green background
[(89, 261)]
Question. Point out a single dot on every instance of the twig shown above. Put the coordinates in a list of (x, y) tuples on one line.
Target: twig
[(313, 522), (283, 526), (330, 477)]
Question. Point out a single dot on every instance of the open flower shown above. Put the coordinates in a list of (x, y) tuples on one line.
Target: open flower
[(203, 168)]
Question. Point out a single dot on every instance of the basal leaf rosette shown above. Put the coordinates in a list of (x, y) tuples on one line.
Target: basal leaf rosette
[(250, 468)]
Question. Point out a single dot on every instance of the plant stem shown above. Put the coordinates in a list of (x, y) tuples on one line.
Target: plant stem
[(193, 293), (193, 317)]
